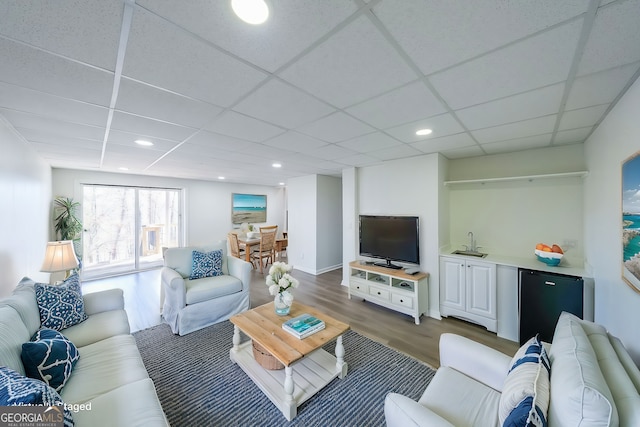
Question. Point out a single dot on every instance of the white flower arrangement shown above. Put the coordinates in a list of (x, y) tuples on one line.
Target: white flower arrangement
[(280, 281)]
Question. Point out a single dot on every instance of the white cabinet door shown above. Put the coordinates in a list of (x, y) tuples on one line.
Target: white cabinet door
[(481, 288), (452, 283)]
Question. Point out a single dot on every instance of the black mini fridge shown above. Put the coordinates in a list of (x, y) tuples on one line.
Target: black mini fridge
[(542, 297)]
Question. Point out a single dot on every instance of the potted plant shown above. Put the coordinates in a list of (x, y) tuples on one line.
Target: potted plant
[(66, 223)]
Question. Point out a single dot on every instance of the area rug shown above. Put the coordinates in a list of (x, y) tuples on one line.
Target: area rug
[(198, 385)]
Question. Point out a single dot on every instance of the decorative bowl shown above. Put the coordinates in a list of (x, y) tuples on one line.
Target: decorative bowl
[(549, 258)]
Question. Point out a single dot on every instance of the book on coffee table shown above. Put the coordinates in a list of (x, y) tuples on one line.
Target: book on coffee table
[(304, 325)]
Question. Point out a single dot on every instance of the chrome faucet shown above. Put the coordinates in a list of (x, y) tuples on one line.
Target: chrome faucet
[(472, 243)]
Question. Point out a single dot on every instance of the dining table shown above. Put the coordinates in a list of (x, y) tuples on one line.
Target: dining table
[(248, 244)]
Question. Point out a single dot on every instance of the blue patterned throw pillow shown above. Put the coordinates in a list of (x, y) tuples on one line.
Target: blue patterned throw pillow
[(49, 357), (17, 390), (61, 305), (206, 264), (526, 391)]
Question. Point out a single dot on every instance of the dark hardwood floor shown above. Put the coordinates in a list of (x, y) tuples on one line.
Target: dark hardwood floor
[(142, 301)]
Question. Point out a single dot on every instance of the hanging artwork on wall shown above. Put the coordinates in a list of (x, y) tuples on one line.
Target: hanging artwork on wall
[(249, 208), (631, 221)]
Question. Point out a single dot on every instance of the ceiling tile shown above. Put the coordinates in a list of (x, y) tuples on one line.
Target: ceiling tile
[(524, 128), (406, 104), (396, 152), (128, 139), (600, 88), (537, 141), (536, 103), (295, 141), (44, 136), (459, 153), (143, 100), (534, 62), (223, 142), (331, 152), (614, 39), (292, 26), (371, 142), (440, 33), (23, 66), (279, 103), (244, 127), (52, 126), (572, 136), (442, 125), (93, 38), (336, 127), (582, 118), (144, 127), (359, 160), (445, 143), (51, 106), (163, 55), (362, 64)]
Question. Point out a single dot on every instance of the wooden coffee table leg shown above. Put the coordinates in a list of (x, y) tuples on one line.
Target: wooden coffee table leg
[(341, 365), (291, 406)]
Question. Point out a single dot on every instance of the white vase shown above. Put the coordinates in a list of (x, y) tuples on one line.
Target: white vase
[(282, 304)]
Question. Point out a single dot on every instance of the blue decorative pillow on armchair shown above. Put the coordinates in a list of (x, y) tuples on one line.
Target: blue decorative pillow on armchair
[(207, 264), (49, 357), (61, 305)]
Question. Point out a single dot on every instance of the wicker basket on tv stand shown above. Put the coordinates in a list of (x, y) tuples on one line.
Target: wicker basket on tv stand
[(394, 289)]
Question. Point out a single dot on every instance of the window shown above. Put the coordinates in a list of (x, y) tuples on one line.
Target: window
[(125, 228)]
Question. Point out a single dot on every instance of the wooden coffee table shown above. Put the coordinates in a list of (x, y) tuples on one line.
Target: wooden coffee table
[(308, 368)]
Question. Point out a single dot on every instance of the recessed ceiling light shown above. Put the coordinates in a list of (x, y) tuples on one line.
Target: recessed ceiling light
[(423, 132), (122, 168), (282, 183), (144, 142), (221, 177), (252, 12), (276, 165)]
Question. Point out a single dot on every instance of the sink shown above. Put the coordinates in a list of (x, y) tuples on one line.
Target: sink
[(469, 253)]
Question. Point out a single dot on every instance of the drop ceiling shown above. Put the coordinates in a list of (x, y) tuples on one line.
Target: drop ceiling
[(323, 85)]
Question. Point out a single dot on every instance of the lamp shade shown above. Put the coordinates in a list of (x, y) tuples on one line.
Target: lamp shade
[(59, 256)]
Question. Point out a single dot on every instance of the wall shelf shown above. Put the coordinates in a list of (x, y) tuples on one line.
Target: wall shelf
[(580, 174)]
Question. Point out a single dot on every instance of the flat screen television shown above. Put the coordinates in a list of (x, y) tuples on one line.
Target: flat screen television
[(391, 238)]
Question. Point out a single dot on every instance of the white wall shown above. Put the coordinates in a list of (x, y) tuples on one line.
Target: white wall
[(207, 204), (407, 187), (302, 200), (510, 218), (25, 216), (315, 223), (349, 220), (329, 224), (617, 306)]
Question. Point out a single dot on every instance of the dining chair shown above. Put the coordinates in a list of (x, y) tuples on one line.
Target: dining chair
[(266, 249), (236, 250)]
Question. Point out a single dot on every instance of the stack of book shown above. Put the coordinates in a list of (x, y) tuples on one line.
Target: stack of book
[(304, 325)]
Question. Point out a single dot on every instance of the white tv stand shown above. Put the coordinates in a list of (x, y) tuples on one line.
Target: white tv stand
[(394, 289)]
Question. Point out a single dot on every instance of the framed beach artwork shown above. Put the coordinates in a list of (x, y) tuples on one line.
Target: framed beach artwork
[(249, 208), (631, 221)]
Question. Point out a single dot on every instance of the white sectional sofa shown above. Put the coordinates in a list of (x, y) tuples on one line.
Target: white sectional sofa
[(192, 304), (109, 378), (593, 382)]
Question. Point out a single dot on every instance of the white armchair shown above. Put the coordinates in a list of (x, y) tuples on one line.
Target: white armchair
[(465, 390), (189, 305), (593, 381)]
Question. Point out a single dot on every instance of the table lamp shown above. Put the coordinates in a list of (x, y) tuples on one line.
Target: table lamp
[(59, 256)]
